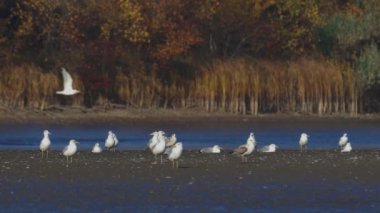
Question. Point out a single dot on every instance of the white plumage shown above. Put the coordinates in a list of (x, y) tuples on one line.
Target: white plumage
[(159, 147), (269, 148), (115, 139), (110, 142), (246, 149), (343, 140), (213, 149), (154, 140), (175, 153), (67, 84), (304, 139), (70, 150), (96, 149), (45, 143), (170, 141), (347, 147)]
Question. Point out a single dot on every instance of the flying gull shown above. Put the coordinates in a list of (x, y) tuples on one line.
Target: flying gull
[(67, 84)]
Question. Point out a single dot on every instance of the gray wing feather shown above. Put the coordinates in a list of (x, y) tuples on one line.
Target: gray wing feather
[(240, 150), (65, 149), (264, 149), (168, 151), (206, 150)]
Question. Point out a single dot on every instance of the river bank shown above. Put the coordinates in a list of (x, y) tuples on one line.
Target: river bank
[(287, 180)]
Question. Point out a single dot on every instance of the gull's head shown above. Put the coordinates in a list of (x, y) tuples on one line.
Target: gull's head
[(173, 135), (110, 132), (153, 133), (161, 132), (273, 146), (46, 132), (251, 134), (97, 144), (304, 135), (73, 141), (344, 134)]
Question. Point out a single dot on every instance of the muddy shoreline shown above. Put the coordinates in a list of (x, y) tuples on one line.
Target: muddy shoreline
[(125, 116), (286, 181)]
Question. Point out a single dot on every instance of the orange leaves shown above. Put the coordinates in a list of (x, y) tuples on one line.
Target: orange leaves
[(174, 25)]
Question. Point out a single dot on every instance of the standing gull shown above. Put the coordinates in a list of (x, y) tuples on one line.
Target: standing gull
[(45, 144), (347, 148), (159, 147), (110, 141), (153, 141), (269, 148), (213, 149), (175, 153), (70, 150), (303, 141), (96, 149), (67, 84), (343, 140), (170, 141), (246, 149)]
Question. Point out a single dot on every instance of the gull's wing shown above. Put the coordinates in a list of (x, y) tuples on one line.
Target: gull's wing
[(65, 149), (206, 150), (168, 151), (115, 139), (240, 150), (67, 80), (264, 149)]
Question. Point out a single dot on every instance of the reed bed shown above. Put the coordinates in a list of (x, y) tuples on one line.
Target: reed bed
[(29, 87), (239, 86), (306, 86)]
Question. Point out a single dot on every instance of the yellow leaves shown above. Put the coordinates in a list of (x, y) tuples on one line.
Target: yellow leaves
[(125, 20)]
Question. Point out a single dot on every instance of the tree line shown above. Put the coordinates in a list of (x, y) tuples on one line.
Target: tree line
[(235, 56)]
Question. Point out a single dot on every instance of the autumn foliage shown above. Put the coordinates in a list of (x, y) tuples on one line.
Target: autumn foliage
[(235, 56)]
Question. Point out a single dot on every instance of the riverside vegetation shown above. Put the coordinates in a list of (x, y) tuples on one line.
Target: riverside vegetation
[(234, 56)]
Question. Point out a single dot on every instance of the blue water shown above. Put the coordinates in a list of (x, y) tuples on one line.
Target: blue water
[(47, 196), (194, 135)]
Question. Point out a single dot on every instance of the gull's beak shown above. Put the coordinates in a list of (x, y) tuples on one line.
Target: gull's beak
[(76, 142)]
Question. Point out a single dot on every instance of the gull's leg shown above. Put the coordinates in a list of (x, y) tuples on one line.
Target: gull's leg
[(242, 159), (71, 159), (305, 147), (67, 159), (173, 163), (42, 153), (47, 153), (177, 164), (161, 158), (301, 148)]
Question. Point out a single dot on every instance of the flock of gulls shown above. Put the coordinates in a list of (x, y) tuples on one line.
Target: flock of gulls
[(161, 145)]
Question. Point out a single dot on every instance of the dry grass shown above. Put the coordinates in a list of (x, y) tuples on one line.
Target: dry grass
[(305, 86), (239, 86), (29, 87)]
